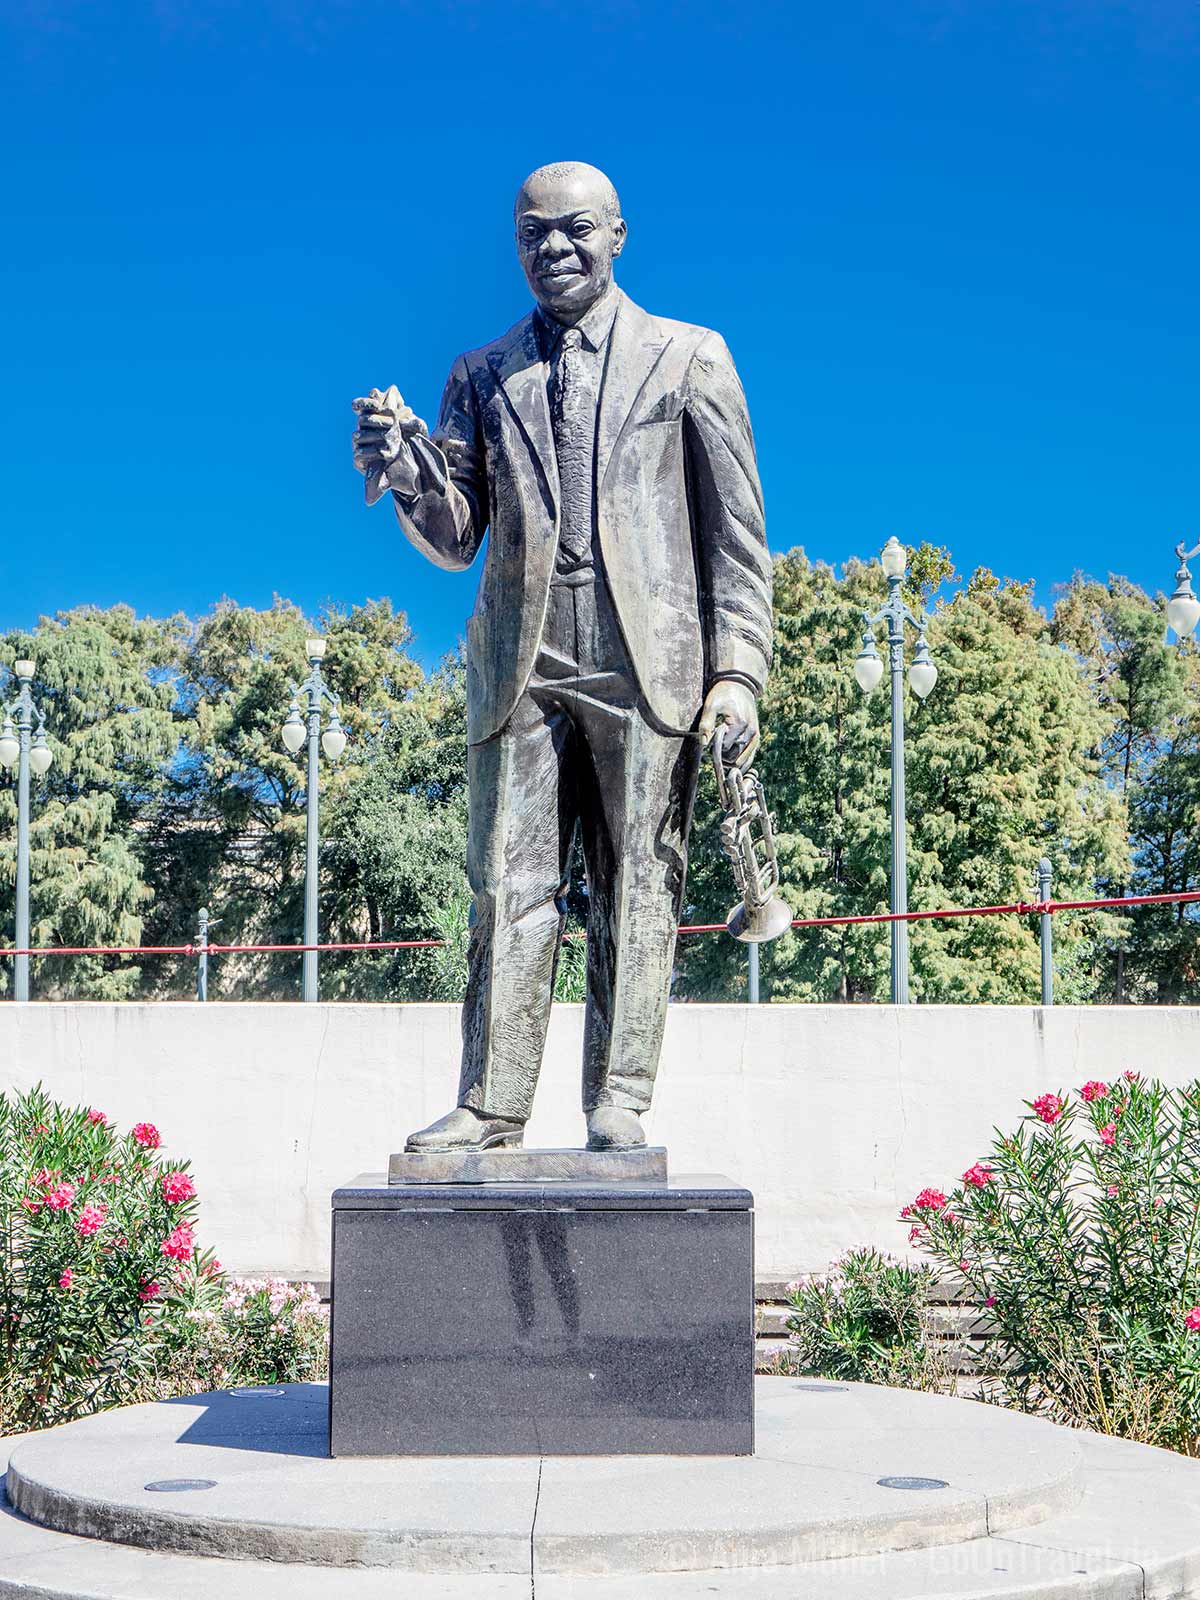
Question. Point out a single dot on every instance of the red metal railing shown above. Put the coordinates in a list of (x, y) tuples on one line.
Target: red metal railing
[(1016, 908)]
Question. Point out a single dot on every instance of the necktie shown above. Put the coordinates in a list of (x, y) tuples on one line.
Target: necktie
[(574, 421)]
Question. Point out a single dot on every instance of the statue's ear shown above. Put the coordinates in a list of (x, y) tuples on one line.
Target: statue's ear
[(620, 233)]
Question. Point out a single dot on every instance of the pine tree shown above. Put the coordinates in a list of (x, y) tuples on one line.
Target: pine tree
[(1162, 962), (1117, 632), (105, 681), (1002, 770)]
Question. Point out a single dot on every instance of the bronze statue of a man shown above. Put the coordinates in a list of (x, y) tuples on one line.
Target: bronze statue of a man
[(624, 611)]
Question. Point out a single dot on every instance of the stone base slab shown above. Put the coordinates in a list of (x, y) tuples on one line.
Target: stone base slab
[(647, 1165), (558, 1318)]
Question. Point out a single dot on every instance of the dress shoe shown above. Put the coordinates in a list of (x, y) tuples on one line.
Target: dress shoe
[(614, 1128), (464, 1129)]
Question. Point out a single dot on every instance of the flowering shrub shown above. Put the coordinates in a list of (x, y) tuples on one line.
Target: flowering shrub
[(1080, 1236), (88, 1284), (263, 1331), (278, 1333), (867, 1321)]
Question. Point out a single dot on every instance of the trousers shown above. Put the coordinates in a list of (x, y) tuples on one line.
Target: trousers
[(581, 750)]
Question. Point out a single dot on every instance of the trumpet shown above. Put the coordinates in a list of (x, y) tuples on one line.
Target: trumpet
[(762, 913)]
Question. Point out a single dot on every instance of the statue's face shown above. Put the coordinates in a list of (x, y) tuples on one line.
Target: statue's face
[(568, 233)]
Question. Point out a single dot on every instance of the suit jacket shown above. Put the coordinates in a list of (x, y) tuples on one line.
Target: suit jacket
[(679, 513)]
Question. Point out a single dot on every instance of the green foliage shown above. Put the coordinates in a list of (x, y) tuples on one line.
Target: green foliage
[(1001, 768), (264, 1331), (570, 978), (1162, 951), (445, 972), (395, 856), (1078, 1236), (825, 767), (1150, 760), (235, 839), (866, 1321), (87, 1289), (104, 682), (1077, 738)]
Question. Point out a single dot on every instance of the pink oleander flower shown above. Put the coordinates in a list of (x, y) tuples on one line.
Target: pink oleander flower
[(1108, 1133), (31, 1205), (1160, 1200), (930, 1200), (914, 1233), (149, 1290), (1093, 1089), (990, 1301), (964, 1266), (179, 1243), (65, 1280), (1192, 1320), (147, 1135), (1049, 1107), (97, 1118), (43, 1178), (90, 1220), (177, 1186), (1131, 1075), (279, 1293), (61, 1196), (979, 1175), (1113, 1190)]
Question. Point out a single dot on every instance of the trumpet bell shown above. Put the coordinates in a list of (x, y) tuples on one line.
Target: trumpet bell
[(762, 924)]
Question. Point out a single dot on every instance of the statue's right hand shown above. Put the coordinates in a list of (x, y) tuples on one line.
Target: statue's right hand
[(385, 425)]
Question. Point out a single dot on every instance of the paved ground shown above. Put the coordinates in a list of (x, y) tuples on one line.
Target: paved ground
[(1027, 1511)]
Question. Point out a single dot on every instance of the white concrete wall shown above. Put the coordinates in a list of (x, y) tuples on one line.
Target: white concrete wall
[(834, 1116)]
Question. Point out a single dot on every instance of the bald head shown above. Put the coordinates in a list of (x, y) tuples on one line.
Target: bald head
[(569, 229), (570, 180)]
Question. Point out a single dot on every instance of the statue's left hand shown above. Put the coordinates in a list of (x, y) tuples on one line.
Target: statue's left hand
[(731, 702)]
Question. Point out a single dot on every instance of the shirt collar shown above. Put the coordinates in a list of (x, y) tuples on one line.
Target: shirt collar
[(595, 325)]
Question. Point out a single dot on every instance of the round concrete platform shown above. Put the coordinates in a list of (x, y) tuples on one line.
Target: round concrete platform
[(839, 1471), (1134, 1534)]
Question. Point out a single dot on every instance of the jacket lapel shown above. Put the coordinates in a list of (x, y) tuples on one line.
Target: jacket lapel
[(522, 376), (635, 348)]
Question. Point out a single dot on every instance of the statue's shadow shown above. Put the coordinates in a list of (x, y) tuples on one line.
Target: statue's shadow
[(289, 1419)]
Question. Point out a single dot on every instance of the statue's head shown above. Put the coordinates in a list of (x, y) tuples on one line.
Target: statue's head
[(569, 229)]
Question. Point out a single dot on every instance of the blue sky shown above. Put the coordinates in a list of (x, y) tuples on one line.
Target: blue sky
[(953, 247)]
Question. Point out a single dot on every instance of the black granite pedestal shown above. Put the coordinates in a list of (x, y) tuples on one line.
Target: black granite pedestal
[(542, 1319)]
